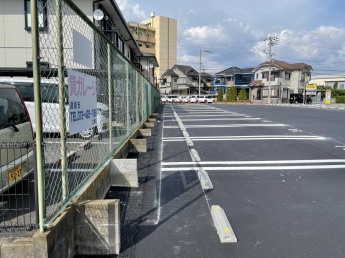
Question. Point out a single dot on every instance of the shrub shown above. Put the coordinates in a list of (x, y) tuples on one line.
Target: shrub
[(220, 94), (335, 86), (242, 95), (340, 99), (232, 94)]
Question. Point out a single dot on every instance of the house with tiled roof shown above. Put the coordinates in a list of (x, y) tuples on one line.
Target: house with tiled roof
[(285, 79), (184, 80), (233, 76)]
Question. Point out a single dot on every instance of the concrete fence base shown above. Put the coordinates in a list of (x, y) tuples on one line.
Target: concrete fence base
[(90, 225)]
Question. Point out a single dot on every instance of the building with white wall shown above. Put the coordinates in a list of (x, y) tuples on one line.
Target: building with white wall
[(16, 41), (285, 79), (329, 80)]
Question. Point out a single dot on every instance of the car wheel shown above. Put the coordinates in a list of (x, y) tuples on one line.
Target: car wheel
[(87, 134)]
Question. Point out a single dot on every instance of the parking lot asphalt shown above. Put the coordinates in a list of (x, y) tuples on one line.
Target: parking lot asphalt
[(279, 178)]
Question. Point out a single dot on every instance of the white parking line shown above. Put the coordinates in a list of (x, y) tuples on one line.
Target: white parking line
[(257, 168), (248, 139), (257, 162), (220, 119), (209, 115), (248, 136), (229, 125)]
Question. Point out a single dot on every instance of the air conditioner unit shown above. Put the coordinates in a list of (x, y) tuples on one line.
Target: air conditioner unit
[(135, 28)]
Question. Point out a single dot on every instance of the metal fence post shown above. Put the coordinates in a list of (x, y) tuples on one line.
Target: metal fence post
[(110, 90), (142, 98), (127, 93), (137, 98), (38, 111), (62, 100)]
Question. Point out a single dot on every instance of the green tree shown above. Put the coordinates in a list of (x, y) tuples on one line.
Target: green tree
[(228, 94), (242, 95), (232, 94), (220, 94), (335, 86)]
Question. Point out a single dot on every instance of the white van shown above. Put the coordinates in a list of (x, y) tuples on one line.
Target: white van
[(50, 107), (16, 159), (194, 99)]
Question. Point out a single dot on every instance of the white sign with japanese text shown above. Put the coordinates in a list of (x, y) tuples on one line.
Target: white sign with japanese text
[(82, 101)]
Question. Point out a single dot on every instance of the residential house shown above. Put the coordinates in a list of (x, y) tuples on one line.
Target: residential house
[(329, 80), (233, 76), (157, 36), (16, 41), (184, 80), (285, 79)]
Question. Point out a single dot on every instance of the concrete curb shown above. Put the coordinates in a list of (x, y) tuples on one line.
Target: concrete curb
[(205, 180), (195, 155), (224, 229)]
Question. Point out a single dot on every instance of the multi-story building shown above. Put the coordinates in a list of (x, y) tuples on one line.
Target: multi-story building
[(157, 36), (16, 41), (233, 76), (184, 79), (329, 80), (285, 79)]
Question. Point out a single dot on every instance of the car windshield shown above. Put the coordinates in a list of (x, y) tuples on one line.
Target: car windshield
[(12, 110), (50, 93)]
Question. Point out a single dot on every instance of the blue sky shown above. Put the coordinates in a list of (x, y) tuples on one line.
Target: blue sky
[(310, 31)]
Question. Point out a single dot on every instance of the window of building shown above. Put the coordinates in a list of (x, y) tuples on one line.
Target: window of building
[(181, 81), (287, 76), (245, 79), (175, 80), (264, 93), (168, 84), (140, 33), (148, 46), (121, 45), (257, 76), (140, 45), (42, 15), (149, 35), (272, 77), (128, 54)]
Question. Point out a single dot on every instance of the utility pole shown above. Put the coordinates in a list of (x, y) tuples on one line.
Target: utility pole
[(207, 51), (272, 41)]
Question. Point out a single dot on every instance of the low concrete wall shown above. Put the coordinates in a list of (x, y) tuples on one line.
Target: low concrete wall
[(124, 172), (97, 226), (67, 234), (144, 132), (58, 239), (16, 247), (138, 146)]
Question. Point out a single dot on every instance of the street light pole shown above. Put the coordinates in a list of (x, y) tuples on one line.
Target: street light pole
[(272, 42), (207, 51), (200, 73)]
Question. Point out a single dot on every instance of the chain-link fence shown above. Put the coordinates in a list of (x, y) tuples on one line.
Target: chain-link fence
[(125, 98)]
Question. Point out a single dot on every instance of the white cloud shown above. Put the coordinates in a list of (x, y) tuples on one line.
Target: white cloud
[(192, 12), (324, 45), (131, 12)]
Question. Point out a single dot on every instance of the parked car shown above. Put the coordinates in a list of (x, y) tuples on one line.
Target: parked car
[(50, 107), (210, 98), (17, 159), (185, 99), (172, 98), (202, 99), (194, 99), (164, 98), (296, 98)]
